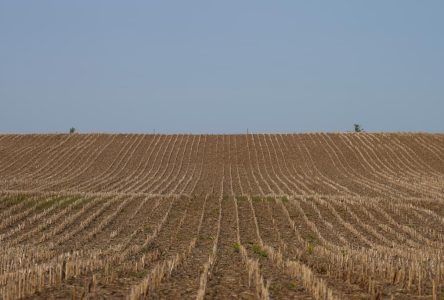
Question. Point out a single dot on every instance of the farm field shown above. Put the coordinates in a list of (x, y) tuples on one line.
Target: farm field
[(257, 216)]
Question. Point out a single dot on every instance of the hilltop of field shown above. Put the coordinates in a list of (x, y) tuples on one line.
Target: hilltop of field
[(257, 216)]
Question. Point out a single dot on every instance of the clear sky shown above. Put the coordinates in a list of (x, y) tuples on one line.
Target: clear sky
[(221, 66)]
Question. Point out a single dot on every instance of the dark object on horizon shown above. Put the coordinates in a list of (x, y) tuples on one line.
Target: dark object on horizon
[(72, 130), (358, 128)]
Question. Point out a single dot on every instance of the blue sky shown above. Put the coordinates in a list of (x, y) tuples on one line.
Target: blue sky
[(221, 66)]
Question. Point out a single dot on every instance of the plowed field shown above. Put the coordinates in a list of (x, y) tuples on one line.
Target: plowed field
[(258, 216)]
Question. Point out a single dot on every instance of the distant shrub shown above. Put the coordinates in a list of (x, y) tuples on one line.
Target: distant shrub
[(358, 128), (72, 130)]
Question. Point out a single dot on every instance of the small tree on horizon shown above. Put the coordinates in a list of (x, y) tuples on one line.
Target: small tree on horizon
[(358, 128), (72, 130)]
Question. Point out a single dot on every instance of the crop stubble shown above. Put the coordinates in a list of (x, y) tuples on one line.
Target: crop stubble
[(258, 216)]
